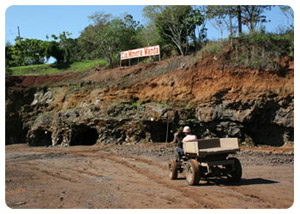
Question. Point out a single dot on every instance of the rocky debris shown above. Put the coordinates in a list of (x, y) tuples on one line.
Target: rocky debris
[(42, 98), (265, 158), (167, 151)]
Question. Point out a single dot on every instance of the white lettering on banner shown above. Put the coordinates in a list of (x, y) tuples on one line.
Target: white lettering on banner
[(140, 52)]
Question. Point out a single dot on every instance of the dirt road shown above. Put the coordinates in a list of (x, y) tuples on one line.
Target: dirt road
[(136, 177)]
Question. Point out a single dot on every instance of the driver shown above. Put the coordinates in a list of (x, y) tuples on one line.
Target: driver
[(188, 137)]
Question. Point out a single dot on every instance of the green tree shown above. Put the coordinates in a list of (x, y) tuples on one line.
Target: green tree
[(18, 52), (148, 35), (108, 36), (8, 55), (223, 16), (34, 51), (28, 52), (66, 45), (289, 13), (53, 50), (248, 15), (253, 15), (176, 24)]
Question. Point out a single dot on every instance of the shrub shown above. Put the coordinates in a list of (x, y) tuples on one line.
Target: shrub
[(260, 50), (213, 47)]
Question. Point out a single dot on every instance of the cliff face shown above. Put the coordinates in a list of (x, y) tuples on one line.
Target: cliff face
[(150, 102)]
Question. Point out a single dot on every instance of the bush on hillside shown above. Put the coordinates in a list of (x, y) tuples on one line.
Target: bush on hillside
[(263, 50), (257, 50)]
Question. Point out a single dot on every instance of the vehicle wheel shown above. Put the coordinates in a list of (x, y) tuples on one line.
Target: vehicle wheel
[(173, 172), (192, 172), (235, 174)]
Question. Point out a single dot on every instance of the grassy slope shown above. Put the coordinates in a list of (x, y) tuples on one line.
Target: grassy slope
[(47, 69), (261, 51)]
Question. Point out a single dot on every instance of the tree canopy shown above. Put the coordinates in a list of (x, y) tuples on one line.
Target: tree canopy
[(176, 24), (177, 29), (247, 15), (108, 36)]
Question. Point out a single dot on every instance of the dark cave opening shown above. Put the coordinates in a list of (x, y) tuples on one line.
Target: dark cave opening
[(15, 132), (40, 137), (266, 134), (84, 135), (158, 131)]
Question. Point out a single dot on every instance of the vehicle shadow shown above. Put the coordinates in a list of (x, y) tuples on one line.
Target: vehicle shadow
[(243, 182)]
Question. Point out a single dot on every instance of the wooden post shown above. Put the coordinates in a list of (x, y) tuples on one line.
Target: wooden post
[(19, 34), (167, 132)]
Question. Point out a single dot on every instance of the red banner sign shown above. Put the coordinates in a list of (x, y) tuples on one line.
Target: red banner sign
[(140, 52)]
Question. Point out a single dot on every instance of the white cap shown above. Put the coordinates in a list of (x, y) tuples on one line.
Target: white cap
[(186, 129)]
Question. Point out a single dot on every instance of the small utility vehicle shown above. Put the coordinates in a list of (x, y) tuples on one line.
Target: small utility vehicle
[(207, 158)]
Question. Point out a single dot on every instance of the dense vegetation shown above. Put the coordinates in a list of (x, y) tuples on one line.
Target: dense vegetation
[(256, 50), (177, 29)]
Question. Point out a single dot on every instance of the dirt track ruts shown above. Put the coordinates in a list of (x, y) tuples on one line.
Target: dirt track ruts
[(97, 177)]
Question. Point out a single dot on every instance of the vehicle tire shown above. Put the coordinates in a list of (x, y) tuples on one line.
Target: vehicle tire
[(192, 172), (235, 174), (173, 172)]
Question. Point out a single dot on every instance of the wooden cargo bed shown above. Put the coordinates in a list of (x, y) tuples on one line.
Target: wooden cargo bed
[(206, 147)]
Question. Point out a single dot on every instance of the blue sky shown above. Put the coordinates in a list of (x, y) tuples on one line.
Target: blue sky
[(39, 21)]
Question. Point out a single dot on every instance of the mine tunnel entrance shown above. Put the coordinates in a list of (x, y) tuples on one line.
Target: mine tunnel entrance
[(158, 131), (40, 137), (267, 134), (15, 132), (84, 135)]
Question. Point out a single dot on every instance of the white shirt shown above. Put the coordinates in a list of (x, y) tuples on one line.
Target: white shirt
[(189, 137)]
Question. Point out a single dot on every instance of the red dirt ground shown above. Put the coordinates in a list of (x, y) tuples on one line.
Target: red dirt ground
[(111, 177)]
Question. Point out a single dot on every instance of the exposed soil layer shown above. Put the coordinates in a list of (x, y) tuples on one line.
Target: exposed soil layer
[(151, 102), (136, 176)]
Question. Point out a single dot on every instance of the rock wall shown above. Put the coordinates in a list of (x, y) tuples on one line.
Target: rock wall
[(149, 103), (40, 121)]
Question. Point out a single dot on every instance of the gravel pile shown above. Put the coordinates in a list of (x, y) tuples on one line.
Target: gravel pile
[(265, 158), (167, 151)]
